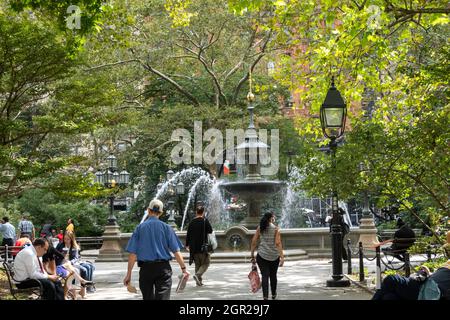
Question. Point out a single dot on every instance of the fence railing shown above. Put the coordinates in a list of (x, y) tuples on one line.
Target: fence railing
[(362, 253), (88, 243), (7, 253)]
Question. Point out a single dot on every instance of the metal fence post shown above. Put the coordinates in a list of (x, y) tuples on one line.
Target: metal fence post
[(378, 271), (349, 257), (407, 265), (428, 253), (361, 263), (6, 253)]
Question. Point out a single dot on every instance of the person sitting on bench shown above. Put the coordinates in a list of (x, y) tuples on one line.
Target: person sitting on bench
[(404, 238), (28, 267)]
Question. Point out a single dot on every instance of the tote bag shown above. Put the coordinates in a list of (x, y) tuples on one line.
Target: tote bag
[(212, 240), (255, 281)]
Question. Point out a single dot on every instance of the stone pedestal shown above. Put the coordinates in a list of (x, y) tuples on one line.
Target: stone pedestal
[(368, 234), (253, 218), (111, 249)]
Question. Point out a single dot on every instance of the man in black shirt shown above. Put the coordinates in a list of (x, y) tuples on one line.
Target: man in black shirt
[(196, 238), (404, 237)]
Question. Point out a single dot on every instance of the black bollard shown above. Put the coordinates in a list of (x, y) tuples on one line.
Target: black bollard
[(349, 257), (378, 271), (428, 253), (361, 263), (407, 265)]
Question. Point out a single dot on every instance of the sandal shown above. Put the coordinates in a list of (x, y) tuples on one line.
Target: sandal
[(87, 283)]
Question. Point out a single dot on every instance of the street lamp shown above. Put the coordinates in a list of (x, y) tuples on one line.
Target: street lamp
[(333, 114), (173, 190), (171, 212), (112, 179), (366, 214)]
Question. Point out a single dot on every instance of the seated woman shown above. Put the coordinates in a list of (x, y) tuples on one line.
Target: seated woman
[(71, 250), (55, 263)]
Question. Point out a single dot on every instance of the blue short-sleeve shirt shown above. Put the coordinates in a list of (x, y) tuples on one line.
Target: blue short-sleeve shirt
[(153, 240)]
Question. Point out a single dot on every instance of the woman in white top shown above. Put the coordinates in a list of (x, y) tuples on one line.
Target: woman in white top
[(270, 253)]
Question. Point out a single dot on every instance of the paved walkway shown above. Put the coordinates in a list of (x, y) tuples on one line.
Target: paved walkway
[(297, 280)]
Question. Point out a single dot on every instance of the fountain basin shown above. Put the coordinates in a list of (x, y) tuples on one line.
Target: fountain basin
[(300, 242), (252, 190)]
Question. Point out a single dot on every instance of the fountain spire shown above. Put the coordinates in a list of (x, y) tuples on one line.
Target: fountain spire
[(250, 99)]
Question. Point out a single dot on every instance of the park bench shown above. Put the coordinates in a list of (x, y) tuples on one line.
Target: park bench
[(401, 247), (35, 291), (6, 253)]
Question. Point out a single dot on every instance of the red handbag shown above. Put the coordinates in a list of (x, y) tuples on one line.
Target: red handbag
[(255, 280)]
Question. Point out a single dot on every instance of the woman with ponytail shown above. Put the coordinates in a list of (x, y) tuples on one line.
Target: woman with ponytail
[(270, 253)]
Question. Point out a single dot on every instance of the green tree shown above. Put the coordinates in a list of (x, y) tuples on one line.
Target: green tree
[(45, 100), (206, 61)]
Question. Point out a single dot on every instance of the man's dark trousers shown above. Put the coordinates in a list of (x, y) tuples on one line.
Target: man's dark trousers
[(155, 280), (396, 287), (52, 290)]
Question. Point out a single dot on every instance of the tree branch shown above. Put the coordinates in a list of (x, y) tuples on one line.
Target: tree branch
[(244, 56), (133, 102), (112, 64), (414, 214), (247, 75), (416, 11), (208, 70), (172, 82), (423, 185)]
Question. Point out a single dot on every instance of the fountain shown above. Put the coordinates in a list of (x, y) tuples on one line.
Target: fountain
[(253, 189)]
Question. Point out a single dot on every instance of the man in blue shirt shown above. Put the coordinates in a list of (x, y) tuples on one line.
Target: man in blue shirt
[(8, 232), (150, 245)]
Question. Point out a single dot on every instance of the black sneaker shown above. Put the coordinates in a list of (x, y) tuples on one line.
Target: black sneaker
[(197, 280)]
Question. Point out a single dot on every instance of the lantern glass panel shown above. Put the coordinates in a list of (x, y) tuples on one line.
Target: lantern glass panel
[(109, 176), (124, 177), (180, 188), (112, 162), (169, 175), (334, 117), (116, 177), (171, 189), (98, 177)]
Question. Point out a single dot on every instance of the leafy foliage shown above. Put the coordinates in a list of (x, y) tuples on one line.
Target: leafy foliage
[(44, 206)]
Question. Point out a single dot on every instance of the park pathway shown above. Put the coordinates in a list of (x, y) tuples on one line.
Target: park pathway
[(297, 280)]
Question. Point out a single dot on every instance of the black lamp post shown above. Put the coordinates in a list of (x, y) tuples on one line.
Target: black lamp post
[(333, 114), (366, 205), (112, 179), (173, 190)]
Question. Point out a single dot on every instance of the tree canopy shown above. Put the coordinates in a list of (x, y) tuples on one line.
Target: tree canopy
[(134, 71)]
